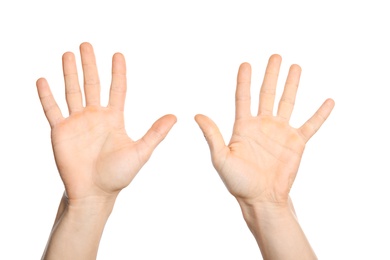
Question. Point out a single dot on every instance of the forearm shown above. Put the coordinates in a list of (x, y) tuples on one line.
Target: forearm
[(77, 229), (61, 209), (277, 231)]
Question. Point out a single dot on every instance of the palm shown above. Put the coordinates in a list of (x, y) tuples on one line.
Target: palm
[(93, 153), (93, 150), (263, 150), (262, 158)]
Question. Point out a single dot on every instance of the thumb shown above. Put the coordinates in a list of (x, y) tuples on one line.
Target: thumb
[(153, 137), (212, 134)]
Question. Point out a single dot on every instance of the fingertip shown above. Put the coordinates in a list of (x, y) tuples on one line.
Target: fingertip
[(167, 122), (118, 55), (295, 67), (201, 119), (206, 124), (244, 69), (245, 65), (330, 102), (197, 116), (39, 81), (210, 132), (275, 57), (119, 63), (68, 56), (172, 118), (86, 46), (161, 126), (328, 105)]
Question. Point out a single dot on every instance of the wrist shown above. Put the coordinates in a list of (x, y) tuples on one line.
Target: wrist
[(268, 212), (276, 230), (79, 226), (89, 209)]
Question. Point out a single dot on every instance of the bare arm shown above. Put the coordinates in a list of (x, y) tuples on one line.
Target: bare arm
[(260, 163), (95, 157), (77, 230)]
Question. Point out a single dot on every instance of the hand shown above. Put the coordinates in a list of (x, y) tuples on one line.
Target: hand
[(261, 161), (94, 155)]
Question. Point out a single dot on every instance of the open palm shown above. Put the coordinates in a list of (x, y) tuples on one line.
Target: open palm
[(261, 161), (93, 153)]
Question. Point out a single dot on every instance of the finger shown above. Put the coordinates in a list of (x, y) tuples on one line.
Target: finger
[(243, 97), (155, 135), (287, 101), (49, 105), (212, 134), (312, 125), (268, 88), (91, 76), (118, 83), (72, 87)]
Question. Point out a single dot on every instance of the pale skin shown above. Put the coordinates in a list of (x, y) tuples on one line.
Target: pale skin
[(261, 161), (95, 157)]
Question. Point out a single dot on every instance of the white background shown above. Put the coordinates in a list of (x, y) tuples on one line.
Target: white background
[(182, 58)]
